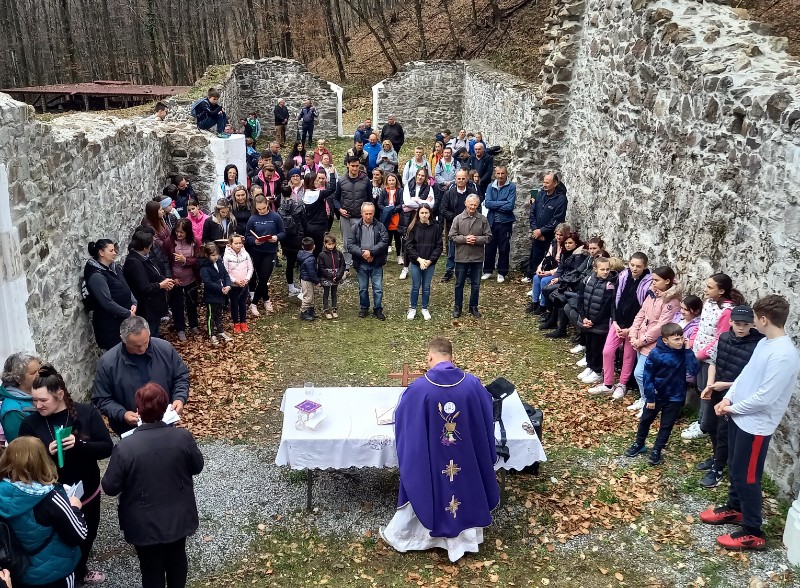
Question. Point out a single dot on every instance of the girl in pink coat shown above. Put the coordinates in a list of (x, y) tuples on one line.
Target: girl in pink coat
[(659, 307)]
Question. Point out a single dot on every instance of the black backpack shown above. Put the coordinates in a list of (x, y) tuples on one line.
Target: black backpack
[(13, 557), (290, 216), (88, 301)]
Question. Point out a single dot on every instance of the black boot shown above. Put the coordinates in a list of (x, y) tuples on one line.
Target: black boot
[(545, 316), (537, 308), (550, 323)]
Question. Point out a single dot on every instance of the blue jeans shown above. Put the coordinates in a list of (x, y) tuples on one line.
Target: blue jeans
[(366, 274), (421, 278), (499, 247), (473, 271), (638, 372), (538, 253), (220, 121), (450, 266), (538, 289)]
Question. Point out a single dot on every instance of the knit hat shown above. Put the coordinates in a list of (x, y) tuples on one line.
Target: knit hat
[(166, 202), (294, 172), (742, 313)]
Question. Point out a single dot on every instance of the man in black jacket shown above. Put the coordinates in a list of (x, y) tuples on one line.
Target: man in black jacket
[(453, 202), (281, 120), (308, 115), (483, 163), (352, 190), (134, 362), (393, 131), (368, 246), (548, 210)]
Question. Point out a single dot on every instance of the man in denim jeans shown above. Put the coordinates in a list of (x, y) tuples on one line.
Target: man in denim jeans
[(452, 204), (369, 244), (470, 232)]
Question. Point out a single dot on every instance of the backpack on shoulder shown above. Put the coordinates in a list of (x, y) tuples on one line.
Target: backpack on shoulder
[(88, 301), (13, 556), (195, 104)]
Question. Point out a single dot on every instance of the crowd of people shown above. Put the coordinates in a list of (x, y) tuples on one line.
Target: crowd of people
[(637, 326)]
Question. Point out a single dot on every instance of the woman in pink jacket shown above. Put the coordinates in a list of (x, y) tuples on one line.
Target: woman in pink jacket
[(663, 300)]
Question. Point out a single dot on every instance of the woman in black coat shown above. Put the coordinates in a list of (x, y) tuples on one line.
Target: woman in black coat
[(146, 280), (88, 443), (315, 200), (423, 249), (152, 473), (112, 298)]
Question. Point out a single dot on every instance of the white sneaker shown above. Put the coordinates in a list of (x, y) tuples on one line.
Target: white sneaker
[(404, 273), (530, 293), (254, 310), (399, 260), (293, 289), (412, 312), (486, 276), (577, 349), (225, 336), (600, 389), (299, 294), (214, 340), (581, 362), (693, 431), (640, 413), (389, 250), (619, 392), (500, 279), (592, 378), (268, 306), (637, 405), (425, 314), (526, 280), (584, 373)]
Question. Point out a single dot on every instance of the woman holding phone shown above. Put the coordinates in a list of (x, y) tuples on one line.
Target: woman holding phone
[(87, 443)]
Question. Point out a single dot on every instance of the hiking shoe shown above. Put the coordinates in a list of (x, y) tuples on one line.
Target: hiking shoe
[(635, 450), (711, 479), (214, 340), (243, 327), (742, 541), (254, 310), (637, 405), (182, 336), (404, 273), (705, 465), (378, 312), (500, 279), (363, 312), (334, 313), (412, 312), (655, 457), (584, 373), (485, 276), (237, 328), (600, 389), (693, 431), (425, 314), (722, 515), (581, 362), (578, 349)]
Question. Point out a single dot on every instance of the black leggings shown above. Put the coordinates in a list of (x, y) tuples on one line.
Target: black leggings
[(398, 240), (91, 512), (331, 291), (163, 565), (291, 262), (263, 263)]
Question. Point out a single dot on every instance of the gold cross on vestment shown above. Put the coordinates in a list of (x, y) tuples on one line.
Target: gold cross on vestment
[(405, 376), (451, 470), (453, 506)]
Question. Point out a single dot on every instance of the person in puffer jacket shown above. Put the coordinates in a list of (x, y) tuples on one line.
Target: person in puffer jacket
[(308, 279), (216, 285), (239, 266), (593, 315), (663, 300), (331, 269)]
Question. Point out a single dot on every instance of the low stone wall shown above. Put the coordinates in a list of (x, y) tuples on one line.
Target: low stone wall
[(259, 84), (684, 141)]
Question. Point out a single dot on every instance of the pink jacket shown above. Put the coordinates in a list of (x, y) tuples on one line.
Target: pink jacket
[(657, 309), (239, 265)]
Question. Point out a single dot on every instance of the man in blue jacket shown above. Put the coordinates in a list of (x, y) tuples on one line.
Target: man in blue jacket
[(547, 211), (500, 200), (308, 115)]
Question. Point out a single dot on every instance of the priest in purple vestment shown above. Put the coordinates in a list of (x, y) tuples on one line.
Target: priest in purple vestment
[(446, 451)]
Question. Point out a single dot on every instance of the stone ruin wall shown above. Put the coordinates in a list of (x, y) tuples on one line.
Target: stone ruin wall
[(684, 141)]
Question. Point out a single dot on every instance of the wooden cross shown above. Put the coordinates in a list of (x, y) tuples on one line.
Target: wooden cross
[(405, 376)]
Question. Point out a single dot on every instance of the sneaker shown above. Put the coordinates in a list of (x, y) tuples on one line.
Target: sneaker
[(328, 314), (722, 515), (600, 389), (254, 310), (299, 295), (578, 349), (635, 450), (637, 404), (404, 273), (704, 466), (399, 260), (639, 414), (293, 289), (243, 327), (227, 338), (619, 392), (182, 336), (412, 312), (526, 280), (334, 313), (529, 293), (584, 373), (425, 314), (486, 276), (214, 340), (378, 312), (224, 135), (742, 541), (692, 432), (592, 378), (500, 279), (268, 306), (237, 328), (711, 479), (389, 250), (655, 457), (581, 362)]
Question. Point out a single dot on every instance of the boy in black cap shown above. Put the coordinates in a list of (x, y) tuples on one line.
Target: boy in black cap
[(728, 358)]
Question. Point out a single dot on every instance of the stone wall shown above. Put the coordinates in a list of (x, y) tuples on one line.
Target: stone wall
[(684, 141), (258, 85)]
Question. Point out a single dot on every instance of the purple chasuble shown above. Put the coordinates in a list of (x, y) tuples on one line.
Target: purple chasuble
[(446, 450)]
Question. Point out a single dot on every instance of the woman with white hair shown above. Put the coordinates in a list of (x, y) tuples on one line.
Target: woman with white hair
[(16, 404)]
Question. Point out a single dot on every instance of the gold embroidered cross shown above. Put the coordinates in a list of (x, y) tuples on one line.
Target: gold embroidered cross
[(453, 506), (451, 470)]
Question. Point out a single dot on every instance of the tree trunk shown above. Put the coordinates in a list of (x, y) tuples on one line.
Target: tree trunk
[(342, 34), (108, 26), (388, 33), (251, 23), (334, 41), (69, 41), (354, 6), (423, 47), (286, 30)]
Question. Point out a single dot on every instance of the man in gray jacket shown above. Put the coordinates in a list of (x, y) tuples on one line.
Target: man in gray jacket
[(470, 232), (131, 364)]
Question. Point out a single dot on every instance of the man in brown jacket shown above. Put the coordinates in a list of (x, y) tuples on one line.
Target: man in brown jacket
[(470, 232)]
